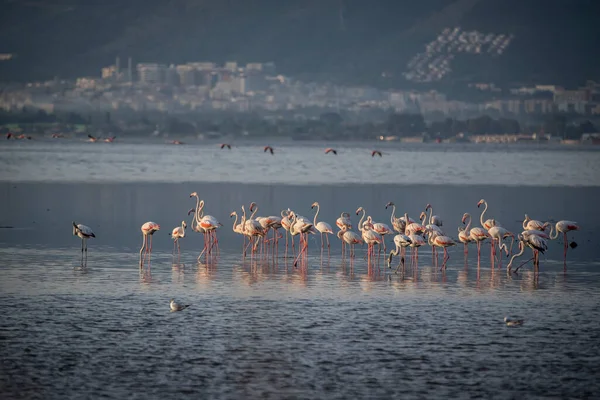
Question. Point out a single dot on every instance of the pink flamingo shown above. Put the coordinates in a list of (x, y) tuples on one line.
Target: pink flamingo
[(533, 224), (563, 227), (178, 233), (433, 219), (443, 242), (238, 228), (498, 233), (476, 234), (464, 238), (402, 242), (380, 228), (147, 229), (208, 225), (398, 224), (303, 226), (490, 222), (350, 238), (285, 224), (536, 244), (415, 227), (330, 150), (322, 227), (252, 229), (368, 234)]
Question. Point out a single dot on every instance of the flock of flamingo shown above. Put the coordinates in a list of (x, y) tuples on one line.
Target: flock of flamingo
[(263, 235), (111, 139)]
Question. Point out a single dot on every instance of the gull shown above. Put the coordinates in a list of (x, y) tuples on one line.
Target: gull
[(513, 322), (178, 307)]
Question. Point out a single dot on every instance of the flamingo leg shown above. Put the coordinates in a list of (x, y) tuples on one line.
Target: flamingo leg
[(300, 252), (525, 262), (566, 245), (328, 245), (81, 251), (142, 249)]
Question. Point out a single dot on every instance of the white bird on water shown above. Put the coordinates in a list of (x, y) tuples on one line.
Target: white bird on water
[(84, 232), (178, 307), (513, 322)]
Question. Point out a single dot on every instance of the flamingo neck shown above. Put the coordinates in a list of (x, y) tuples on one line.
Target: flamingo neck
[(482, 213), (235, 222), (393, 216), (525, 221), (430, 215), (553, 230), (469, 224), (360, 227), (515, 256), (315, 219), (254, 212)]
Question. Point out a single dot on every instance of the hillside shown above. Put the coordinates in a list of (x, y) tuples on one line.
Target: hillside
[(353, 41)]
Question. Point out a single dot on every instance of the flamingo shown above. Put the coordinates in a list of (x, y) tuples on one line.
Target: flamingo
[(498, 233), (330, 150), (464, 238), (321, 226), (416, 241), (206, 224), (563, 227), (415, 227), (398, 224), (344, 220), (443, 242), (110, 139), (368, 234), (84, 232), (476, 234), (178, 233), (533, 224), (223, 145), (237, 228), (490, 222), (536, 244), (402, 242), (350, 238), (252, 228), (92, 139), (285, 224), (303, 226), (274, 223), (433, 219), (176, 142), (268, 148), (380, 228), (57, 136), (147, 228), (375, 153)]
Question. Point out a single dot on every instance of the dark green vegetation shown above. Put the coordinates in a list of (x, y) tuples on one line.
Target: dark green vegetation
[(326, 126)]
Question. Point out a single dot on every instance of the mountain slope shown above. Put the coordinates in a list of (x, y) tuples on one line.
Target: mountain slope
[(351, 41)]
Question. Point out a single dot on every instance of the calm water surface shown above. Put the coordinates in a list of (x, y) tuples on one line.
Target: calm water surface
[(300, 163), (260, 328)]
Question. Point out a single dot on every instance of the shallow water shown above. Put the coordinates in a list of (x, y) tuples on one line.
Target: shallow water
[(300, 163), (264, 329), (260, 328)]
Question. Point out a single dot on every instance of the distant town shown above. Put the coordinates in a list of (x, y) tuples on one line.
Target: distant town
[(152, 98)]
